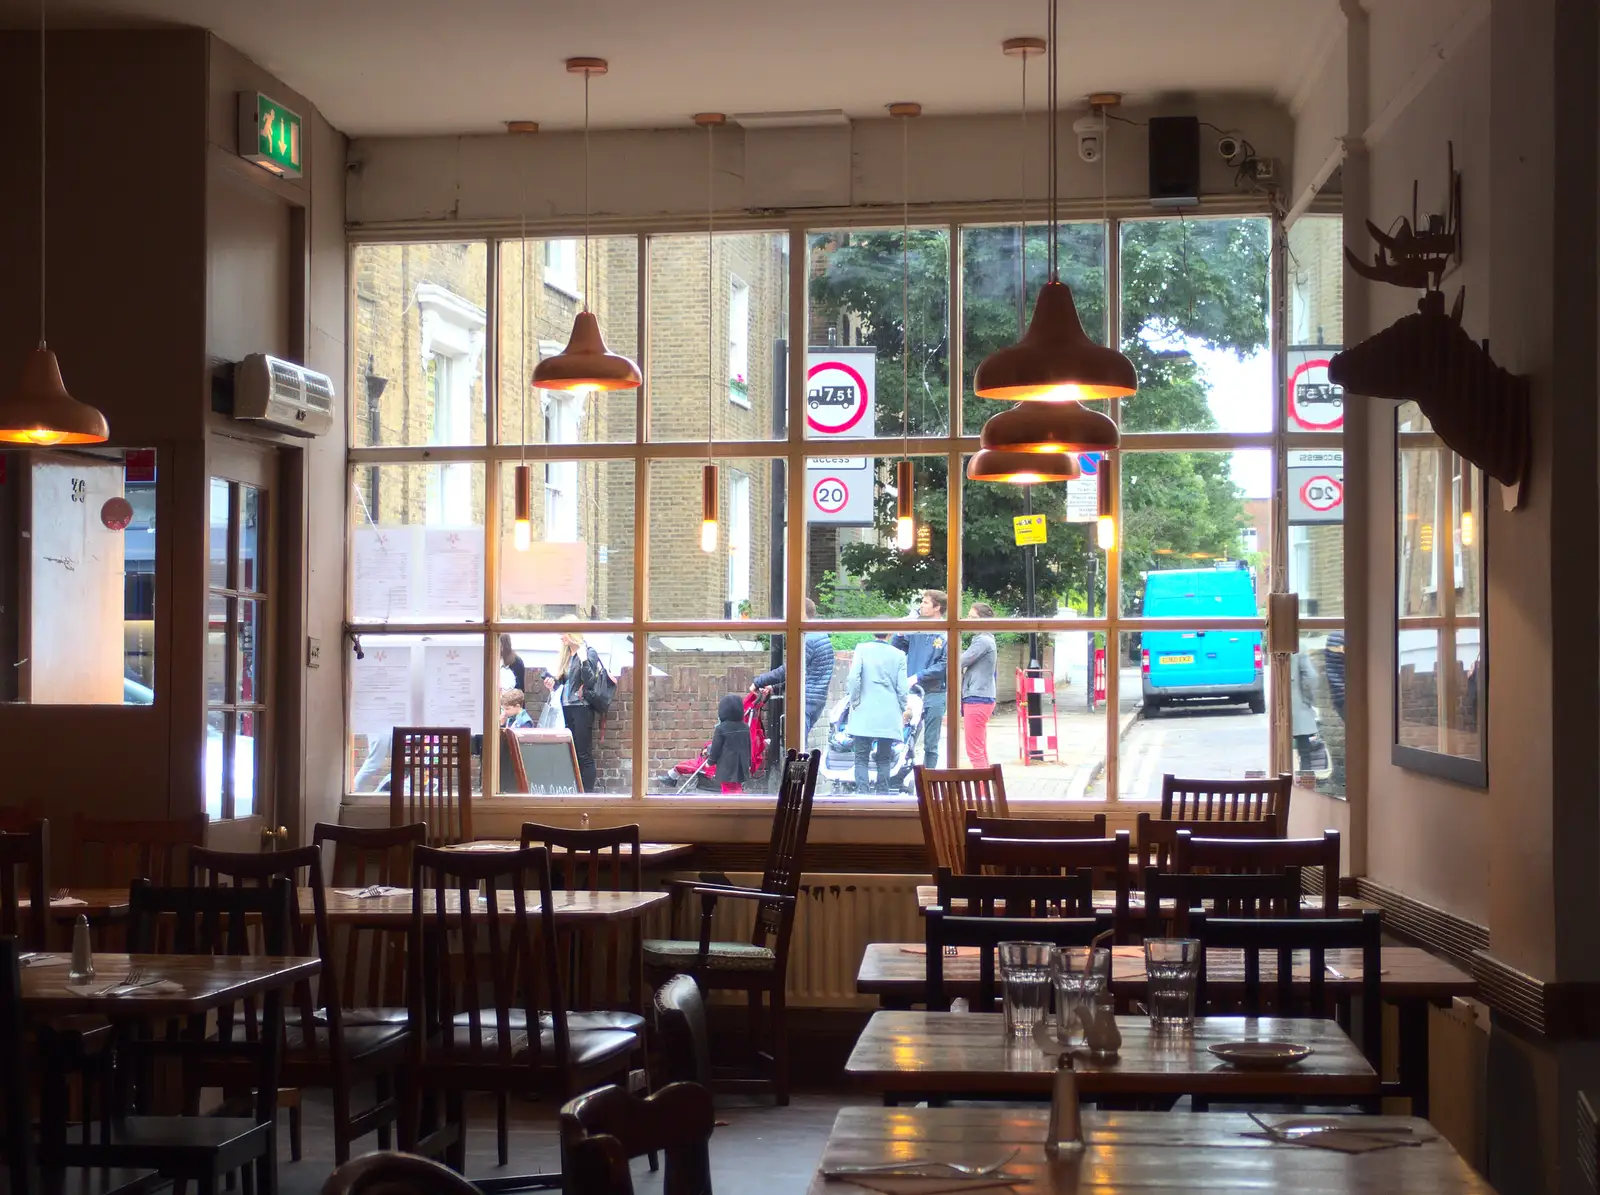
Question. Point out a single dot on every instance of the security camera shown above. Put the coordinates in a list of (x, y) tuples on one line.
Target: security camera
[(1228, 147), (1091, 133)]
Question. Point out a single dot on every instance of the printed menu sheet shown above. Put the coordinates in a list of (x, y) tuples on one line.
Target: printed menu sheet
[(380, 690), (452, 686)]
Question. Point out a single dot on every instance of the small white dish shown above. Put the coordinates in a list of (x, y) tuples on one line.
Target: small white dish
[(1261, 1055)]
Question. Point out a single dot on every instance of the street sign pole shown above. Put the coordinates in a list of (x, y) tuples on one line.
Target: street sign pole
[(1030, 597)]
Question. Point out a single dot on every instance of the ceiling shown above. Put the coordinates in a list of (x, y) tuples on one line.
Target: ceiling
[(420, 66)]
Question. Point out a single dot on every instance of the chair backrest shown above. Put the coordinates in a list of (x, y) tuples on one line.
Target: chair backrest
[(507, 958), (1316, 936), (366, 855), (1017, 896), (596, 1165), (1036, 827), (1271, 894), (595, 860), (1203, 800), (24, 876), (944, 796), (1264, 856), (791, 823), (18, 819), (430, 780), (370, 960), (16, 1110), (391, 1173), (986, 933), (1156, 837), (1107, 857), (112, 852), (685, 1042), (676, 1121)]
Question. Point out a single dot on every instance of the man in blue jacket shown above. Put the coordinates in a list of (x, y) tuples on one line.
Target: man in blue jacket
[(818, 673), (925, 665)]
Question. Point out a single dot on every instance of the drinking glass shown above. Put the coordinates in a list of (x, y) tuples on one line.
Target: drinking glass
[(1171, 967), (1081, 974), (1025, 976)]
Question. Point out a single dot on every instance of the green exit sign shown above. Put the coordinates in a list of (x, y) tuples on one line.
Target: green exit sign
[(270, 134)]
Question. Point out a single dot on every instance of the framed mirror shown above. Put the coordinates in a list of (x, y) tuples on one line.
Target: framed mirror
[(1440, 650)]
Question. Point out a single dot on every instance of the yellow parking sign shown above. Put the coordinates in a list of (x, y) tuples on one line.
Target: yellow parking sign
[(1029, 529)]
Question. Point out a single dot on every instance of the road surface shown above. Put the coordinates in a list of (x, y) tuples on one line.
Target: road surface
[(1216, 741)]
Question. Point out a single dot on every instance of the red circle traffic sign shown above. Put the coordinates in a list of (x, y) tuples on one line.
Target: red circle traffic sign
[(1294, 407), (834, 490), (1322, 492), (861, 399)]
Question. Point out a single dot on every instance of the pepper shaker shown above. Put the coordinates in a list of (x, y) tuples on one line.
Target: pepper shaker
[(82, 969), (1065, 1134)]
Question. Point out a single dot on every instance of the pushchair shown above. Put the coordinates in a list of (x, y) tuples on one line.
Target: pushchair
[(839, 755), (700, 774)]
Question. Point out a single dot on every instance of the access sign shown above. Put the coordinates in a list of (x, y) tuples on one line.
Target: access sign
[(839, 491), (1316, 488), (840, 391), (1315, 403), (270, 135), (1029, 529)]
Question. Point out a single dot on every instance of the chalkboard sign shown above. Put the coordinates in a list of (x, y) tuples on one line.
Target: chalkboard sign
[(541, 762)]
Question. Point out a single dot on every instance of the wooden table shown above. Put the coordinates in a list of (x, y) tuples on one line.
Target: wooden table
[(394, 912), (650, 853), (98, 904), (1412, 980), (963, 1054), (1142, 1151), (1105, 901)]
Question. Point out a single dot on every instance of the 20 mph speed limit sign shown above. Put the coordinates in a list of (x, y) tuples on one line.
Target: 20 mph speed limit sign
[(1316, 487), (839, 491), (838, 404)]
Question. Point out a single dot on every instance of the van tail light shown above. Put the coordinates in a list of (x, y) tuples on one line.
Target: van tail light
[(1144, 663), (1258, 656)]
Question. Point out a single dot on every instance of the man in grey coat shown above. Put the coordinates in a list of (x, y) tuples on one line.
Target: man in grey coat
[(878, 688)]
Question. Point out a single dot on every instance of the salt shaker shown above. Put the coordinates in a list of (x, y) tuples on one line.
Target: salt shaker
[(82, 969), (1065, 1134)]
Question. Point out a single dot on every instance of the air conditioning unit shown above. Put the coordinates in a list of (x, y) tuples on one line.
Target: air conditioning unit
[(282, 395)]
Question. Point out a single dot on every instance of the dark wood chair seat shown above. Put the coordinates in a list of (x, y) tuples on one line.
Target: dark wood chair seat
[(595, 1047), (600, 1018), (185, 1148), (680, 954), (78, 1181)]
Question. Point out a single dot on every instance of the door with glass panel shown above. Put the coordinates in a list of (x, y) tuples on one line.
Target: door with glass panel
[(239, 680)]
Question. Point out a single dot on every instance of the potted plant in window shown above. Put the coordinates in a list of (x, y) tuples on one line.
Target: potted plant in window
[(738, 387)]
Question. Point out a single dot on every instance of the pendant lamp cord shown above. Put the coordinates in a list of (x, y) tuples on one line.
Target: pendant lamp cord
[(523, 380), (587, 277), (1053, 61), (42, 239), (905, 286), (1022, 234), (711, 281)]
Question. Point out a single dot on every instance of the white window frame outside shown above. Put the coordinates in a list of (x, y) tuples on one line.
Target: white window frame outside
[(739, 527), (560, 271), (453, 335), (738, 338)]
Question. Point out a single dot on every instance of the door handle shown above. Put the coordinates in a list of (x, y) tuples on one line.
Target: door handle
[(271, 839)]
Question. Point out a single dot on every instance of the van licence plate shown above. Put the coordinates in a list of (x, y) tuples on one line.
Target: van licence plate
[(1177, 659)]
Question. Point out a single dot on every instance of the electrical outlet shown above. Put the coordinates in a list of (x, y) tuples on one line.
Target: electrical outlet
[(313, 653)]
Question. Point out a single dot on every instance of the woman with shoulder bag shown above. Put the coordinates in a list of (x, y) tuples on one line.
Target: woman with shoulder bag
[(579, 663)]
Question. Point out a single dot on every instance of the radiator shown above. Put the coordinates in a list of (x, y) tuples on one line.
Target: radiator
[(835, 918)]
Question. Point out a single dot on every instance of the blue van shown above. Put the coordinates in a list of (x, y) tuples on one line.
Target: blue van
[(1185, 665)]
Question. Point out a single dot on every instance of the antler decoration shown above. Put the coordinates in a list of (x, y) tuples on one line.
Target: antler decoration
[(1477, 408)]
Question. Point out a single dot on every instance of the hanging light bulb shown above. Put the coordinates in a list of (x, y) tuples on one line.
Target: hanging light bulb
[(39, 410), (586, 363), (1105, 522), (1469, 519), (708, 508), (1022, 468), (905, 531), (522, 518)]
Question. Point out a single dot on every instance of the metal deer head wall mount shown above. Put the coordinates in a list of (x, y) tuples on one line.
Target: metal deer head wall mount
[(1478, 409)]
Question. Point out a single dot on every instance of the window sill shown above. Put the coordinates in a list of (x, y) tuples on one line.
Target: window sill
[(569, 292), (740, 400)]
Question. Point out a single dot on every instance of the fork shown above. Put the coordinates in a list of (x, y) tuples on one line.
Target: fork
[(959, 1168), (134, 978)]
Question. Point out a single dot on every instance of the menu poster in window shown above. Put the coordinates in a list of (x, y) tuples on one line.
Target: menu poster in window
[(381, 563), (452, 561), (380, 690), (452, 686)]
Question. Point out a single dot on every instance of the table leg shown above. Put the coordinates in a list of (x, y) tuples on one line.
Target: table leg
[(267, 1093), (1413, 1059)]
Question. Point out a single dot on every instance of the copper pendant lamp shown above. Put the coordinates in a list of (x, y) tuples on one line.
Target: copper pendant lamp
[(38, 410), (586, 363), (1022, 468), (1050, 427)]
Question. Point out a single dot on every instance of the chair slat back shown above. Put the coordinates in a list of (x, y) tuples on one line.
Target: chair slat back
[(18, 819), (24, 876), (676, 1121), (1106, 858), (595, 860), (791, 823), (371, 959), (1206, 800), (1156, 838), (1264, 856), (430, 780), (944, 797), (496, 960), (1037, 827), (986, 933), (1260, 895), (113, 852), (1018, 896)]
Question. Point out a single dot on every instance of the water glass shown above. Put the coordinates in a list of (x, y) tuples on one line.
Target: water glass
[(1081, 974), (1025, 977), (1172, 968)]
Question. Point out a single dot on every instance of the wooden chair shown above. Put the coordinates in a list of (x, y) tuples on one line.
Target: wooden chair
[(18, 819), (320, 1050), (1262, 895), (1155, 838), (1018, 896), (112, 853), (1106, 857), (943, 799), (459, 1045), (986, 933), (1036, 827), (676, 1121), (371, 960), (396, 1174), (761, 965), (430, 780), (1226, 800), (681, 1022), (25, 876), (1248, 856)]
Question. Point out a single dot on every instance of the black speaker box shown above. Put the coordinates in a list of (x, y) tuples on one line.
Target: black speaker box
[(1174, 161)]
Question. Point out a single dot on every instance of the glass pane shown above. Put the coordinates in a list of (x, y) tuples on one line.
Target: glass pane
[(1316, 322), (853, 567), (1204, 710), (252, 539), (410, 680), (1199, 515), (1194, 323), (416, 542), (747, 342), (252, 628), (1317, 673), (701, 699), (554, 288), (1316, 531), (555, 670), (578, 559), (245, 745), (217, 650), (217, 725), (420, 331), (1069, 567), (991, 277), (217, 575), (139, 578), (743, 576), (822, 681), (854, 301)]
